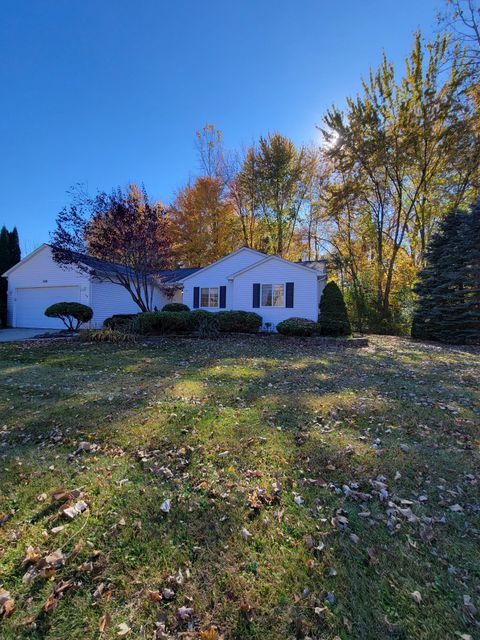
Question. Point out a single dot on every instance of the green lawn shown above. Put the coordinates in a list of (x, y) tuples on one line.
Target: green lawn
[(254, 441)]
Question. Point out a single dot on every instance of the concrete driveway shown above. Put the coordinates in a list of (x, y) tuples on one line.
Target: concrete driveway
[(13, 335)]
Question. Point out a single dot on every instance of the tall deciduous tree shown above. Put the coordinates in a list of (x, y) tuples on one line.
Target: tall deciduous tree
[(271, 190), (397, 166), (202, 224), (462, 19), (125, 230)]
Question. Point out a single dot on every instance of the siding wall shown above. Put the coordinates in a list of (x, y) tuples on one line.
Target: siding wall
[(42, 271), (109, 299), (305, 301), (217, 275), (307, 289)]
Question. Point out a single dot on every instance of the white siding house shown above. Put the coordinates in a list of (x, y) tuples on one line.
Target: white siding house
[(38, 281), (245, 280), (248, 280)]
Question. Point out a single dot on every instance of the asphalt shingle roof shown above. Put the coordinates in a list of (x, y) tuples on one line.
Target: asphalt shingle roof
[(169, 276)]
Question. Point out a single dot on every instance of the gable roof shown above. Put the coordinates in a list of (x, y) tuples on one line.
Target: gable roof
[(234, 253), (168, 276), (298, 265)]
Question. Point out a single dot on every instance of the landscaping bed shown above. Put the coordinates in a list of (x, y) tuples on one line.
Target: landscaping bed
[(221, 488)]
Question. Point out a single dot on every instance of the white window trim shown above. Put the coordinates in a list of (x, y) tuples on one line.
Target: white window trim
[(273, 306), (217, 306)]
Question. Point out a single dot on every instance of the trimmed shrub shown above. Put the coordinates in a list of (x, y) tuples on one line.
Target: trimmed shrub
[(238, 321), (119, 320), (107, 335), (206, 325), (72, 314), (159, 323), (298, 327), (333, 318), (175, 307)]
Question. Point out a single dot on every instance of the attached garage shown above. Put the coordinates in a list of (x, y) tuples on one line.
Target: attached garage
[(29, 304), (37, 282)]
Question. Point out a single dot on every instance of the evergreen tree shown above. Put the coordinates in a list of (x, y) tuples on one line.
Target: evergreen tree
[(14, 243), (9, 255), (448, 308), (333, 318)]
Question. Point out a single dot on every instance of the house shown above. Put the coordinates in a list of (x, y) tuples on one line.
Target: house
[(38, 281), (246, 280)]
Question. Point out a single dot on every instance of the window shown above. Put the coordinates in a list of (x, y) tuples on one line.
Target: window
[(273, 295), (209, 297)]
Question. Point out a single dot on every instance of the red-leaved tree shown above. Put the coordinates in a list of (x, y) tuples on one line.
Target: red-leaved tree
[(119, 237)]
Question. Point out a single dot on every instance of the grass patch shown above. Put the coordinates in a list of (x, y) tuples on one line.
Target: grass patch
[(311, 491)]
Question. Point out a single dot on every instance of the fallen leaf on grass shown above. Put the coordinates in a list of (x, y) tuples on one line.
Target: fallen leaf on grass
[(58, 591), (210, 634), (184, 612), (50, 603), (7, 604), (456, 508), (56, 530), (372, 555), (4, 517), (64, 495), (154, 596), (165, 506), (105, 621), (75, 510), (32, 556), (123, 630), (246, 533), (468, 606)]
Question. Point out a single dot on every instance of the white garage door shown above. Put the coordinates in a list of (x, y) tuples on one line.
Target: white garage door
[(30, 304)]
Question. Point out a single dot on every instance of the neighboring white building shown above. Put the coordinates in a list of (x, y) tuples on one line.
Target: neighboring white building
[(245, 280), (248, 280)]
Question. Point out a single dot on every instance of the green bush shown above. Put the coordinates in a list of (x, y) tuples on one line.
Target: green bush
[(333, 318), (298, 327), (72, 314), (239, 321), (159, 323), (107, 335), (119, 320), (175, 307), (206, 324)]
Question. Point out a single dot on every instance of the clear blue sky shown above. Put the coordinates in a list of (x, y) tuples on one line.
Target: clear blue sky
[(106, 92)]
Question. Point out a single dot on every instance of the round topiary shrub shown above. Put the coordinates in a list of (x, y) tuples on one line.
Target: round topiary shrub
[(333, 318), (72, 314), (175, 307), (298, 327)]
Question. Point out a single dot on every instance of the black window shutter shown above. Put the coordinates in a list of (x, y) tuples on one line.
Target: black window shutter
[(256, 295), (196, 297), (223, 297), (289, 295)]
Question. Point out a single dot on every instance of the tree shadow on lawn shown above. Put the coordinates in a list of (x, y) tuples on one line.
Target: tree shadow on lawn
[(250, 588)]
